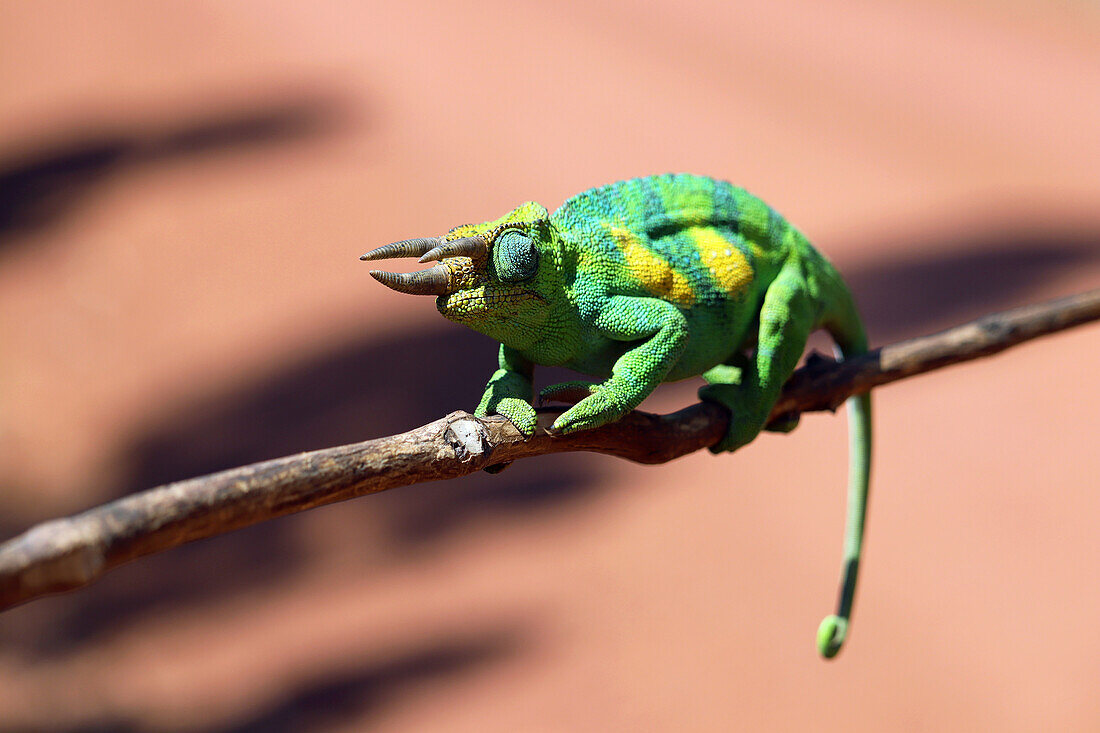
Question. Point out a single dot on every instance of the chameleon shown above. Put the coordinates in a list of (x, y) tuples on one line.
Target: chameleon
[(644, 281)]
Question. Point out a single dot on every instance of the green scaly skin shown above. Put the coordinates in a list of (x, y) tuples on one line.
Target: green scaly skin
[(654, 280)]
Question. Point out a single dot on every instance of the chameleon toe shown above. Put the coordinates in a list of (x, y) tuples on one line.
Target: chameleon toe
[(521, 414), (567, 392)]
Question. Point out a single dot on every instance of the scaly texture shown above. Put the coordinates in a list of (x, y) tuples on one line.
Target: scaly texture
[(647, 281)]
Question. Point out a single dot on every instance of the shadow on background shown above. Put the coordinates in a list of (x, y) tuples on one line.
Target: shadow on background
[(350, 699), (960, 280), (358, 392), (362, 391), (40, 186), (353, 697)]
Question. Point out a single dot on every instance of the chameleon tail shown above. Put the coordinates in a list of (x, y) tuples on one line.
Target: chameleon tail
[(844, 326)]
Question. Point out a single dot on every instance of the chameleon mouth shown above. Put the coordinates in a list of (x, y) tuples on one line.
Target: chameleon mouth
[(436, 280)]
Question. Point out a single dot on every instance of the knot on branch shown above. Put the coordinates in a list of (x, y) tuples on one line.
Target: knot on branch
[(467, 437)]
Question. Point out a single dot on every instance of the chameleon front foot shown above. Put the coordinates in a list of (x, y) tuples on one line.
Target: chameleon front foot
[(517, 410), (594, 405)]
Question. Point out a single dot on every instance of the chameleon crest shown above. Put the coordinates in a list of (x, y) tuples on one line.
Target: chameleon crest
[(646, 281)]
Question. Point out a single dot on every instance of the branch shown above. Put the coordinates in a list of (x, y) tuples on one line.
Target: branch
[(68, 553)]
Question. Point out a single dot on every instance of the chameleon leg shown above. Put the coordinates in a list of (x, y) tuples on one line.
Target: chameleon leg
[(509, 391), (786, 319), (509, 394), (663, 333)]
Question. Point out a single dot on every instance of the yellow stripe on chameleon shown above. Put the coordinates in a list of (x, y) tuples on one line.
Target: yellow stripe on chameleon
[(728, 267), (653, 272)]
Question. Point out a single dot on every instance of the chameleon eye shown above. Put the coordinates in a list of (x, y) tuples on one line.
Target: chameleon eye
[(515, 256)]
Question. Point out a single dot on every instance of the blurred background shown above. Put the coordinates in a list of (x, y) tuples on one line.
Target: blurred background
[(185, 188)]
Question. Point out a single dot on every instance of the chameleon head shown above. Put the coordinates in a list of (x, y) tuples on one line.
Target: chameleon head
[(493, 277)]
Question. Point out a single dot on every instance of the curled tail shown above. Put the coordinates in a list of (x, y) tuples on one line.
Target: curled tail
[(843, 324)]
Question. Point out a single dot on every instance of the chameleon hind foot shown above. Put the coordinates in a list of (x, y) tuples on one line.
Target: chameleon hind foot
[(744, 424)]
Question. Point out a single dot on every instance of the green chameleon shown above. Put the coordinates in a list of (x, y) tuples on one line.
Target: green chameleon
[(646, 281)]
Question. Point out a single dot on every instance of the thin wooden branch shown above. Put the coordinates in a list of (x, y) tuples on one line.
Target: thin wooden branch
[(68, 553)]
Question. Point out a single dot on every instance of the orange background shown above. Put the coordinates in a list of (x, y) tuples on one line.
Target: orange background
[(184, 190)]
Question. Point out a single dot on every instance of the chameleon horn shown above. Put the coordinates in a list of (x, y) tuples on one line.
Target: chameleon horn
[(465, 247), (434, 281), (406, 248)]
